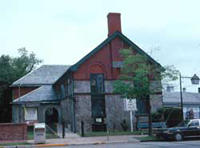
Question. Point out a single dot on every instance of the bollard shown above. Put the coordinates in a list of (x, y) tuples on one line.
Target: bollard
[(63, 129), (82, 129)]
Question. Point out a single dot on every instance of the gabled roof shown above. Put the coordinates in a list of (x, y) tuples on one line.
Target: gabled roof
[(189, 98), (43, 93), (44, 75), (110, 38)]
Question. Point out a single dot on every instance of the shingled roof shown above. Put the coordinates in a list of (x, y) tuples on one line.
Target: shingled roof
[(44, 75), (170, 98), (43, 93)]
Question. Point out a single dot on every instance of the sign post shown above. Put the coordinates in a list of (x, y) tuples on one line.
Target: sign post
[(130, 105), (131, 120)]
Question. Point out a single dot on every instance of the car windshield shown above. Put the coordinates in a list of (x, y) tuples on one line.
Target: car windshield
[(183, 123)]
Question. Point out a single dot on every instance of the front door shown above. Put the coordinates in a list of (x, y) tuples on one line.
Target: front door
[(51, 118)]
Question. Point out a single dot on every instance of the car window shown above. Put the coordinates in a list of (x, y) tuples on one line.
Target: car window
[(194, 123)]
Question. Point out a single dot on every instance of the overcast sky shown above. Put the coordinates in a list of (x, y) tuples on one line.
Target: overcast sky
[(63, 31)]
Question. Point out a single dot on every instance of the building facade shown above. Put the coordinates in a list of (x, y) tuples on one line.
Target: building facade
[(82, 92), (191, 103)]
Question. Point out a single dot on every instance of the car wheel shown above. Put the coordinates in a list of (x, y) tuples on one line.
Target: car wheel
[(178, 137)]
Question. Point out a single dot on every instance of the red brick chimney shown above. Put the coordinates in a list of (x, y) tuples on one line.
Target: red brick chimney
[(114, 23)]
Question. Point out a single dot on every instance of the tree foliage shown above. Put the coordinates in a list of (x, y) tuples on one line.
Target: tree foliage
[(13, 68), (141, 77)]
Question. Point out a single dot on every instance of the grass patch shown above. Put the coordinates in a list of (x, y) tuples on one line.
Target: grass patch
[(49, 135), (15, 143), (149, 138), (96, 134)]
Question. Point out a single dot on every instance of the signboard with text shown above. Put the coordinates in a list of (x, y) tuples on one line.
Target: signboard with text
[(30, 114), (130, 104)]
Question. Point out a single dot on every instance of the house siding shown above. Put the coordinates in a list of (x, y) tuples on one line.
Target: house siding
[(22, 90)]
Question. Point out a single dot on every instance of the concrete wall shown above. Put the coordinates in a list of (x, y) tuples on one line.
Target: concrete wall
[(156, 102), (44, 108), (82, 86), (108, 86), (18, 116), (15, 113), (115, 113), (67, 113), (83, 112)]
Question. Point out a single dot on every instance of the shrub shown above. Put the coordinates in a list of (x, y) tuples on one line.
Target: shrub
[(124, 125)]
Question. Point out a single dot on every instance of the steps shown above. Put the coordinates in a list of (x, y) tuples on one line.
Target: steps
[(68, 133)]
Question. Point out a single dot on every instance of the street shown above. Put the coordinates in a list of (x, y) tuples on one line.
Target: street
[(168, 144)]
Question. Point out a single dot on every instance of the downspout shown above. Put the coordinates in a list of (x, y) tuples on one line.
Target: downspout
[(19, 95), (73, 105)]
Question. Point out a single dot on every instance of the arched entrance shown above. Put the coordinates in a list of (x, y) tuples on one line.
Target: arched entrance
[(51, 117)]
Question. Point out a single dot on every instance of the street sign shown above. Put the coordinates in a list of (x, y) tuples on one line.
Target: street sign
[(130, 104)]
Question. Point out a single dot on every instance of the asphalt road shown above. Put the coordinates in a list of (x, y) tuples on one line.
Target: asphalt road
[(171, 144)]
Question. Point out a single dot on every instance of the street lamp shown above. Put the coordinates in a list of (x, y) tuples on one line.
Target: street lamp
[(194, 80)]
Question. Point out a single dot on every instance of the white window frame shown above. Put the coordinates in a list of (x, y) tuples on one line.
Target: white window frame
[(30, 113)]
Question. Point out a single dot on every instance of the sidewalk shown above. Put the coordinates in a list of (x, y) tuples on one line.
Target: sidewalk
[(82, 141)]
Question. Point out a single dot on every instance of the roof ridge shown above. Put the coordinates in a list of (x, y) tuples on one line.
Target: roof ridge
[(56, 65), (45, 74), (182, 92), (23, 77)]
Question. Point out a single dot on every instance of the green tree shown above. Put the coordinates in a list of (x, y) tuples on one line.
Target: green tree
[(11, 69), (140, 78)]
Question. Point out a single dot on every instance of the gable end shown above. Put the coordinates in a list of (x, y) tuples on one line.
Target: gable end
[(116, 34)]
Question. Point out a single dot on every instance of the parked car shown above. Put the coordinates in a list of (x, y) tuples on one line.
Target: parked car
[(190, 128)]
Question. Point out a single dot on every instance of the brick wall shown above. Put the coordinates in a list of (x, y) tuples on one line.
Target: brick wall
[(13, 131), (23, 91), (101, 62)]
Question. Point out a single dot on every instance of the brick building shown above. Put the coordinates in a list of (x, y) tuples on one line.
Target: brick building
[(80, 92)]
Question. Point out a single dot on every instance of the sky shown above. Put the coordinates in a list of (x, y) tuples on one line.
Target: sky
[(63, 31)]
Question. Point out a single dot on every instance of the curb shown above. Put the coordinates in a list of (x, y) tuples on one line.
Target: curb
[(67, 144), (51, 145), (72, 144), (150, 140)]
